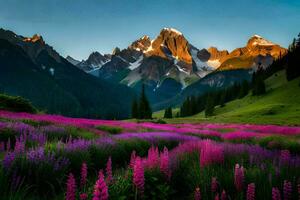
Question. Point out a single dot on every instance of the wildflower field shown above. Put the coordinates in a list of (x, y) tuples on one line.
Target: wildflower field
[(55, 157)]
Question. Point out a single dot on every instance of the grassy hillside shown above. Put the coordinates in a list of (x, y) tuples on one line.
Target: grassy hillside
[(281, 105)]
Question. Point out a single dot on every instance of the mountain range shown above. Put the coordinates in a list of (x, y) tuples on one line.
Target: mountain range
[(104, 86), (169, 64)]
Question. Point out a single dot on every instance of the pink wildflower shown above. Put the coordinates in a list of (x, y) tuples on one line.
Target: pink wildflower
[(132, 159), (239, 177), (71, 188), (83, 174), (83, 196), (153, 157), (109, 171), (276, 194), (214, 184), (251, 192), (100, 189), (197, 194), (211, 153), (298, 187), (217, 197), (164, 163), (138, 175), (8, 145), (285, 156), (287, 190), (223, 195)]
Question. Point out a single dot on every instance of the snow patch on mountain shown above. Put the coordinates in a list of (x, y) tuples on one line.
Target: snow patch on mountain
[(173, 30), (181, 69), (137, 63), (258, 40), (214, 63), (200, 65), (150, 48)]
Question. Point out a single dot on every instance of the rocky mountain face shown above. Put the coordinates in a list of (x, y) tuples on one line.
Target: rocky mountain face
[(32, 45), (31, 68), (92, 64), (141, 44), (171, 43), (170, 61), (73, 61), (258, 51), (216, 56)]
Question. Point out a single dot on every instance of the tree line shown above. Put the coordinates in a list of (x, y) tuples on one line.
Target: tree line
[(206, 102), (141, 107)]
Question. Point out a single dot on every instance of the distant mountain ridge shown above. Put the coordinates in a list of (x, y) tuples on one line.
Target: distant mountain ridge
[(257, 51), (31, 68)]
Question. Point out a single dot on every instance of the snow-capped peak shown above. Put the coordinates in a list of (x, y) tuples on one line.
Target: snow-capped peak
[(258, 40), (172, 30), (257, 36), (145, 37)]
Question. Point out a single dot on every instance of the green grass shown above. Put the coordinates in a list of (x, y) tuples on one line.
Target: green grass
[(110, 129), (280, 105)]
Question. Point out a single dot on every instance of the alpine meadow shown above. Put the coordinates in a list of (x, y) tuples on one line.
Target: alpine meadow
[(150, 100)]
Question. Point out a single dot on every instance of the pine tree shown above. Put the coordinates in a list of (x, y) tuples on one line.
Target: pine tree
[(193, 105), (135, 109), (209, 108), (223, 98), (258, 83), (168, 113), (145, 111), (244, 89), (293, 60)]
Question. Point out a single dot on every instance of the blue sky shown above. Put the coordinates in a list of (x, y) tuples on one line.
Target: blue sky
[(78, 27)]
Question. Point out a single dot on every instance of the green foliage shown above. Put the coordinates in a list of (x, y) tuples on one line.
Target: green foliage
[(160, 121), (41, 178), (280, 142), (16, 104), (8, 134), (110, 129), (35, 123), (122, 187), (156, 186)]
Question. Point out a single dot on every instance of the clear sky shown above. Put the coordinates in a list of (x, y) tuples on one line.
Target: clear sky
[(78, 27)]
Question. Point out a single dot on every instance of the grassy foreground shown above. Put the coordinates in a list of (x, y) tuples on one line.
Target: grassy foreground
[(280, 105)]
